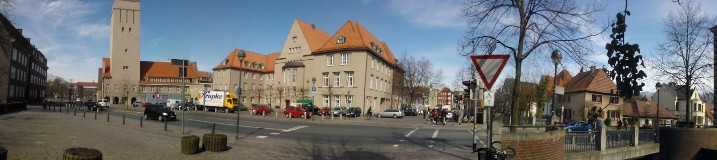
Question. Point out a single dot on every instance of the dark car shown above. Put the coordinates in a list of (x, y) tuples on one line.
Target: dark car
[(159, 112), (92, 106), (410, 112), (353, 112)]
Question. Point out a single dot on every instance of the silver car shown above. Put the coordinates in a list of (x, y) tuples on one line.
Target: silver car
[(338, 111), (395, 113)]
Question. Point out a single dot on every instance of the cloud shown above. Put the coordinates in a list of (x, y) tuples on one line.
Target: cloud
[(430, 13), (68, 32)]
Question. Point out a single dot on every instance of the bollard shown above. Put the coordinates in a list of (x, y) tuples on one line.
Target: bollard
[(67, 109), (306, 116), (322, 117), (122, 119), (214, 125), (83, 113), (96, 115), (341, 117), (140, 121), (263, 114), (75, 114), (165, 125), (332, 117), (108, 116)]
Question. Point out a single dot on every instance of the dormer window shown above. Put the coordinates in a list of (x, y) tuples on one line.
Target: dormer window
[(262, 66), (340, 40), (254, 65), (246, 63), (226, 61)]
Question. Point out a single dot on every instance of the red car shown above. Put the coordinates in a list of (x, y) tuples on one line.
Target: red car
[(259, 110), (294, 112), (324, 111)]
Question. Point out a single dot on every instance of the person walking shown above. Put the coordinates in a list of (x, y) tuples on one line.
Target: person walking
[(424, 113), (619, 125)]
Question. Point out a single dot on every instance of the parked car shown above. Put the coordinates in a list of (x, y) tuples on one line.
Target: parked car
[(259, 110), (353, 112), (410, 112), (324, 111), (137, 104), (578, 126), (104, 102), (295, 112), (159, 112), (92, 106), (395, 113), (338, 111)]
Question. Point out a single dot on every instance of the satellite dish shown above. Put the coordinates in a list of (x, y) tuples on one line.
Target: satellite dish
[(491, 48)]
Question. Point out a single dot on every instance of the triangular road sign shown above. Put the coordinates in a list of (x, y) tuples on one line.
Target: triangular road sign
[(489, 67)]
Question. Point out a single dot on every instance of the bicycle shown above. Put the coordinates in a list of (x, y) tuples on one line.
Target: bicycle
[(493, 153)]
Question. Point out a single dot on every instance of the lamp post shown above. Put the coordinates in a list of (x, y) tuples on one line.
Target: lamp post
[(556, 57), (241, 57), (657, 135)]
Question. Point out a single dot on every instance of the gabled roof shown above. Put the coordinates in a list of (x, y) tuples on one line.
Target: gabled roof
[(595, 80), (708, 110), (150, 69), (563, 78), (106, 68), (314, 37), (356, 37), (232, 61), (445, 90), (638, 108)]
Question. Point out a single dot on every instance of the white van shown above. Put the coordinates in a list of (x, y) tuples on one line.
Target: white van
[(174, 103), (104, 102)]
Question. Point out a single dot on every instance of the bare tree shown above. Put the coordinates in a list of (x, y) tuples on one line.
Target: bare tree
[(6, 7), (525, 27), (303, 92), (280, 89), (417, 75), (259, 92), (686, 55)]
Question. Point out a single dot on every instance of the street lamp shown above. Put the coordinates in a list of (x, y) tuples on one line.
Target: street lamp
[(241, 57), (657, 135), (556, 57)]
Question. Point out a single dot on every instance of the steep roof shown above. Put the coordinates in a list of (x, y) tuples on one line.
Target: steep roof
[(563, 78), (232, 61), (106, 68), (595, 80), (356, 37), (638, 108), (149, 69), (314, 37), (708, 110)]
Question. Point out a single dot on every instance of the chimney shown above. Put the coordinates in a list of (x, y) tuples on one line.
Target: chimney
[(592, 68), (19, 30), (313, 26)]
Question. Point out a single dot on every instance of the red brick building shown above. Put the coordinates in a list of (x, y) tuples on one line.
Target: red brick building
[(445, 97)]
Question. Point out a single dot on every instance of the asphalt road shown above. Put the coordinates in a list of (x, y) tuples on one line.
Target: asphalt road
[(384, 132)]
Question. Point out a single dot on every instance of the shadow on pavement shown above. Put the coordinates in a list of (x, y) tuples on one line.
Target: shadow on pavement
[(314, 149), (439, 145)]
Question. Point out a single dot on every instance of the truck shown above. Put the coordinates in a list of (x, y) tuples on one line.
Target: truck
[(174, 103), (217, 100), (161, 98)]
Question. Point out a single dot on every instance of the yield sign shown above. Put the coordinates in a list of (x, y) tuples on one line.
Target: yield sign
[(489, 67)]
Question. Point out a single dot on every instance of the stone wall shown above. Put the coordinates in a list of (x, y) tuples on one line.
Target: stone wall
[(685, 143), (532, 146)]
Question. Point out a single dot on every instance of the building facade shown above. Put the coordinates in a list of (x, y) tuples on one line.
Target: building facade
[(84, 90), (23, 68), (445, 97), (589, 92), (352, 68), (675, 98)]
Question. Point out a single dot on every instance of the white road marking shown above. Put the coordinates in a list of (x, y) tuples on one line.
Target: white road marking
[(274, 133), (435, 133), (411, 132), (433, 141), (400, 140), (234, 125), (430, 146), (395, 145), (261, 137), (294, 128)]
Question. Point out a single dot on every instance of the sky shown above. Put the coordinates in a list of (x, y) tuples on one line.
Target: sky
[(74, 34)]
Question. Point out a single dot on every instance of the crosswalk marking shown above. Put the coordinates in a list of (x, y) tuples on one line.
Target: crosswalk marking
[(234, 124), (395, 145), (274, 133), (411, 132), (435, 134), (261, 137), (294, 128)]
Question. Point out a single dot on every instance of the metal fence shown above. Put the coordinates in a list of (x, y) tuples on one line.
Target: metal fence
[(619, 138), (578, 141), (646, 136)]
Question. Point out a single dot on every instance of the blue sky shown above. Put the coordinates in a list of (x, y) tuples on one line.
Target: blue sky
[(74, 34)]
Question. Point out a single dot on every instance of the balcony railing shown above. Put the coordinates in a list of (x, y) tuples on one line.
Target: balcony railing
[(581, 141)]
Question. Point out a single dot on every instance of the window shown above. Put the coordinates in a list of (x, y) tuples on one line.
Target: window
[(325, 79), (125, 67), (370, 82), (349, 100), (125, 50), (373, 60), (614, 100), (293, 76), (130, 30), (330, 59), (340, 40), (350, 78), (122, 29), (253, 76), (326, 100), (597, 98), (337, 100), (345, 58), (246, 75), (337, 79)]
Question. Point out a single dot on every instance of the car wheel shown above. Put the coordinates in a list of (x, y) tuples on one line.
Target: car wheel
[(394, 116), (159, 118), (146, 117)]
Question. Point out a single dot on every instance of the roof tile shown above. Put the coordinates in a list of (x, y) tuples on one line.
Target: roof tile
[(232, 61), (357, 37), (595, 80)]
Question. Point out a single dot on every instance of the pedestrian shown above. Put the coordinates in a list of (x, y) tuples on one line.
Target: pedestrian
[(600, 123), (424, 114), (369, 113), (444, 112), (619, 125)]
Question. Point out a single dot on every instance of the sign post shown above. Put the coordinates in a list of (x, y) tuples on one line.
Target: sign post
[(489, 68)]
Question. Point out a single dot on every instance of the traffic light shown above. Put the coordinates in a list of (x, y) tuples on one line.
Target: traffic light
[(471, 85)]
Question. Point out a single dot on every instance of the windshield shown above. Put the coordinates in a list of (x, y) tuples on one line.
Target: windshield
[(234, 101)]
